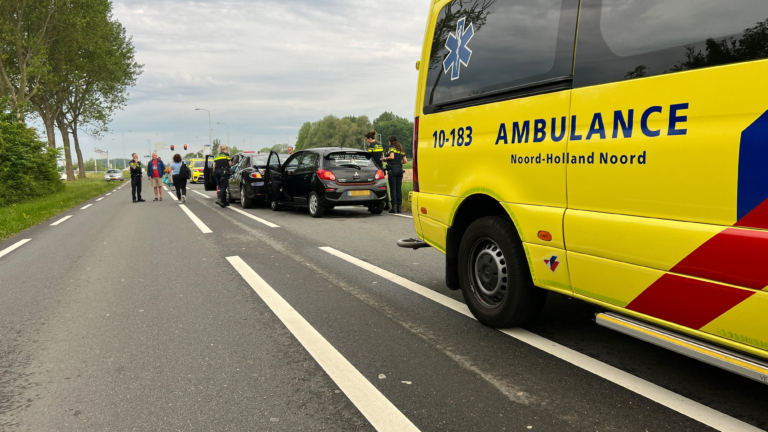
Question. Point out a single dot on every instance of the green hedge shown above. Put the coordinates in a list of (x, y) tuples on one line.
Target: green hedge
[(27, 166)]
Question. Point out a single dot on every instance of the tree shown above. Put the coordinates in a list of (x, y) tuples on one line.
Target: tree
[(215, 147), (265, 150), (332, 131), (25, 35), (388, 124)]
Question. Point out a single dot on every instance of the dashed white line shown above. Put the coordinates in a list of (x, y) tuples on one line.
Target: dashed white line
[(257, 219), (109, 194), (402, 215), (61, 220), (86, 207), (201, 194), (12, 248), (382, 414), (196, 220), (683, 405), (99, 199)]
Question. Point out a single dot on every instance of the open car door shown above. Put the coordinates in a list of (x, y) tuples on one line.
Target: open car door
[(274, 178), (208, 180)]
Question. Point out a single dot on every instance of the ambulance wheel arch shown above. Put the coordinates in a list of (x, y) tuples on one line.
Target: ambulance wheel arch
[(468, 211)]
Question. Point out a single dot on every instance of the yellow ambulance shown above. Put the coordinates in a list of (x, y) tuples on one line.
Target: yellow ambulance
[(615, 151)]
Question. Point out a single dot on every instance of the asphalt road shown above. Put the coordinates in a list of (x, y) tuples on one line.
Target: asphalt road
[(134, 317)]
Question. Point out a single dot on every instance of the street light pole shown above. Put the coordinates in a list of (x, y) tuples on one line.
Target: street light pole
[(227, 133), (210, 133)]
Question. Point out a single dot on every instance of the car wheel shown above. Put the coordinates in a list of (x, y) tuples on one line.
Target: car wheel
[(494, 275), (376, 208), (315, 209), (245, 202), (274, 205)]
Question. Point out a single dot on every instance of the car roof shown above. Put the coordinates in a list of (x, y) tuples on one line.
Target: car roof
[(327, 150)]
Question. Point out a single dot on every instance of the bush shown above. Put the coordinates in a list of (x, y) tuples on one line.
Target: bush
[(27, 166)]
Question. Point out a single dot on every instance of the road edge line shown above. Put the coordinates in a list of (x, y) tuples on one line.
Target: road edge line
[(374, 406), (687, 407), (61, 220)]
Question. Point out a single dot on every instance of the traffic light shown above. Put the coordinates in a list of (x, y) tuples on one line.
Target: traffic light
[(185, 146), (171, 148)]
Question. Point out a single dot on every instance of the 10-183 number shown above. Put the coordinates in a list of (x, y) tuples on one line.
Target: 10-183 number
[(460, 137)]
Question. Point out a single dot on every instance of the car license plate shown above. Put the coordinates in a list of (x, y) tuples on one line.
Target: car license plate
[(257, 184), (357, 193)]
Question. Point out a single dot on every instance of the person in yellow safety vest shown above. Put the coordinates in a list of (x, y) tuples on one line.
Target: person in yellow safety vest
[(377, 154), (395, 160), (221, 165)]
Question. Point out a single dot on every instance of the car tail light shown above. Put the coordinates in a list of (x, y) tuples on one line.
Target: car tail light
[(415, 154), (379, 175), (256, 175), (330, 190), (326, 175), (383, 188)]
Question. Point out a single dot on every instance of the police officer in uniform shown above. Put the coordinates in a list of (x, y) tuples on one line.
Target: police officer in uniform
[(136, 178), (221, 172), (377, 152), (395, 159)]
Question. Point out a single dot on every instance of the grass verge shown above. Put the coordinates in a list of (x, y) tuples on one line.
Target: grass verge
[(18, 217)]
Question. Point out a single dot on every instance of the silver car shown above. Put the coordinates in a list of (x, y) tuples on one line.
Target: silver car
[(114, 174)]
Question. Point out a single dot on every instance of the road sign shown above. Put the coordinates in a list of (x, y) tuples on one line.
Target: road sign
[(159, 146)]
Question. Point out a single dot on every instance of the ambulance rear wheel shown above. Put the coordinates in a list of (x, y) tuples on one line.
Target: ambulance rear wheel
[(494, 275)]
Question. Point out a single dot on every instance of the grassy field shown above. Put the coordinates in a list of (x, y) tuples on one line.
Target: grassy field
[(18, 217)]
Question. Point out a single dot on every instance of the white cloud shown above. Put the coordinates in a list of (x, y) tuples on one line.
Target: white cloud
[(264, 67)]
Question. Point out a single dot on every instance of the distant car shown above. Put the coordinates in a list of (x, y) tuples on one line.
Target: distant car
[(247, 180), (322, 178), (196, 166), (114, 175)]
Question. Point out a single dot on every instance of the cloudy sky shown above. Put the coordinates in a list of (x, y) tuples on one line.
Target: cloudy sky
[(262, 67)]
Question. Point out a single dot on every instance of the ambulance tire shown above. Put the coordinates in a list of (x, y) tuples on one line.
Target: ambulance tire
[(494, 275)]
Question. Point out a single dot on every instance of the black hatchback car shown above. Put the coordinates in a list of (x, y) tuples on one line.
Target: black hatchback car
[(322, 178), (247, 180)]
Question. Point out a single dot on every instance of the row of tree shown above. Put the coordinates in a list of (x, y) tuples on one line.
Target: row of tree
[(332, 131), (69, 62)]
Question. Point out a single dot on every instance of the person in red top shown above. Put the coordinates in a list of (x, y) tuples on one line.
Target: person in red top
[(155, 170)]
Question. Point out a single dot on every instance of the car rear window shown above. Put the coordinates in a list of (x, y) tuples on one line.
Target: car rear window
[(344, 159), (113, 171), (627, 39)]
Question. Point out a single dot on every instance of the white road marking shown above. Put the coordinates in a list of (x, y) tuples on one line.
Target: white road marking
[(61, 220), (382, 414), (10, 249), (402, 215), (109, 194), (86, 207), (196, 220), (99, 199), (257, 219), (201, 194), (165, 188), (674, 401)]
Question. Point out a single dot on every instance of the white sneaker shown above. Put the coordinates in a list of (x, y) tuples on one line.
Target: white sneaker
[(183, 198), (180, 202)]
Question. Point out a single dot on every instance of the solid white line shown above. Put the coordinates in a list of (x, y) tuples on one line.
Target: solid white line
[(382, 414), (99, 199), (10, 249), (196, 220), (165, 188), (61, 220), (201, 194), (674, 401), (86, 207), (257, 219)]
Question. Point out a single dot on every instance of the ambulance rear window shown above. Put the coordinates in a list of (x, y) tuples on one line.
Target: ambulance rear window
[(502, 45), (627, 39)]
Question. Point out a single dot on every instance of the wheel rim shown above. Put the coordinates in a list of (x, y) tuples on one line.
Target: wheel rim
[(242, 196), (313, 203), (273, 204), (488, 270)]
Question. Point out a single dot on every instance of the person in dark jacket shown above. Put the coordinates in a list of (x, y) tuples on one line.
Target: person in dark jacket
[(136, 178), (155, 170), (395, 160), (377, 152), (222, 164)]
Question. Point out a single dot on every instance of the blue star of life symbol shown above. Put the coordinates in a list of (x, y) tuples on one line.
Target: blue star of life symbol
[(457, 45)]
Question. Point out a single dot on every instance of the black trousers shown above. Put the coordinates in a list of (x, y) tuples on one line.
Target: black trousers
[(136, 188), (222, 181), (396, 185), (181, 185)]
